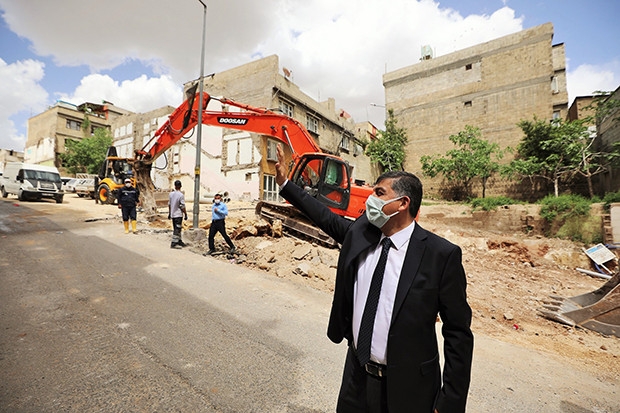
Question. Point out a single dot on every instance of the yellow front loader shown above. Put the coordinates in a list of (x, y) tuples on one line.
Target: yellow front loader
[(112, 174)]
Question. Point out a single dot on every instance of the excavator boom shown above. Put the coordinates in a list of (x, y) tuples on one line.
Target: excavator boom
[(251, 119)]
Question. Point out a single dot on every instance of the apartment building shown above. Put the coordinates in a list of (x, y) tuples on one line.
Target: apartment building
[(133, 131), (9, 155), (492, 86), (49, 130), (608, 131), (243, 163)]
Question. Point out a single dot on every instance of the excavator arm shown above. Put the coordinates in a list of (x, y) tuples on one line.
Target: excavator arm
[(324, 176)]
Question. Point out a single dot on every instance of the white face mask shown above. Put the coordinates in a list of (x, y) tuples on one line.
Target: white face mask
[(217, 201), (374, 210), (128, 184)]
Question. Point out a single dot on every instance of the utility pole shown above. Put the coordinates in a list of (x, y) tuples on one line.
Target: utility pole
[(196, 210)]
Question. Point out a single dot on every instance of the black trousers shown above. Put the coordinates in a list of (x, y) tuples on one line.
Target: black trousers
[(360, 392), (218, 225), (177, 227), (129, 212)]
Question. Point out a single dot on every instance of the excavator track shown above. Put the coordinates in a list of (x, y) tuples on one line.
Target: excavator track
[(293, 222)]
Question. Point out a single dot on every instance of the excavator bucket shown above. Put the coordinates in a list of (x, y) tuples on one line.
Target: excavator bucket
[(598, 310)]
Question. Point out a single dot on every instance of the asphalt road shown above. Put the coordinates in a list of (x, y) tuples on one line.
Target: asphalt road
[(92, 319)]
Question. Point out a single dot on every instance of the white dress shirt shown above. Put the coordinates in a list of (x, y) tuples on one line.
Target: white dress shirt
[(366, 268)]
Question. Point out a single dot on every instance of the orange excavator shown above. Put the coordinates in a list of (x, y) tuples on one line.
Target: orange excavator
[(326, 177)]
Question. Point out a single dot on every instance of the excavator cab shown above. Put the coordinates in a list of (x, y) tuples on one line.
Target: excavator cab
[(324, 178)]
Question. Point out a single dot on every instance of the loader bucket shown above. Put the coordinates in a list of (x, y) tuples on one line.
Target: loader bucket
[(598, 310)]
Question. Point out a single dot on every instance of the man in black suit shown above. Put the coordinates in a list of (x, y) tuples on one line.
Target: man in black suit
[(394, 366)]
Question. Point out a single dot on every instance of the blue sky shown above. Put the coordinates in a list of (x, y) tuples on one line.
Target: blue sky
[(138, 57)]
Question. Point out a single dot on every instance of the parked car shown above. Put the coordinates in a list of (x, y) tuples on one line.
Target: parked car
[(69, 186), (86, 187)]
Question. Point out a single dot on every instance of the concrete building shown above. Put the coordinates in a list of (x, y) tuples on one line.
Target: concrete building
[(607, 133), (48, 131), (7, 155), (491, 86), (243, 163), (581, 108), (132, 131), (608, 130)]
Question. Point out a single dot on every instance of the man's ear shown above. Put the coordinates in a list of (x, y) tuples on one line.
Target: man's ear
[(405, 202)]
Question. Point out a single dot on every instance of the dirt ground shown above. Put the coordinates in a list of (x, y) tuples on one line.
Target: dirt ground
[(509, 275)]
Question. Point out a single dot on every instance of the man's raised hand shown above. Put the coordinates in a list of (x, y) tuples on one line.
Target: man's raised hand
[(280, 166)]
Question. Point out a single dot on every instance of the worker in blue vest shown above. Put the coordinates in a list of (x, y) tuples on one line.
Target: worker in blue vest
[(219, 212)]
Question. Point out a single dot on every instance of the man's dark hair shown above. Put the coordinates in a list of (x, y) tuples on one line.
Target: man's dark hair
[(405, 184)]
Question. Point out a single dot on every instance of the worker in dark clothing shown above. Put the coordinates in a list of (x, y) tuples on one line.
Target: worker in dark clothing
[(128, 197), (96, 189)]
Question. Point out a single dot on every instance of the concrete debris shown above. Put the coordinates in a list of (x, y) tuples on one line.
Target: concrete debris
[(276, 228), (303, 269), (263, 244), (252, 229), (301, 252)]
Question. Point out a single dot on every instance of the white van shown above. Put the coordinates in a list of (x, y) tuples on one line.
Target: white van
[(29, 181)]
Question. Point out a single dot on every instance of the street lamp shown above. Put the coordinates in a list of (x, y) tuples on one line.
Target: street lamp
[(196, 210), (376, 105)]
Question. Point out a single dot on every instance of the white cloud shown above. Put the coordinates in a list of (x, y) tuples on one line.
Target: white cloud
[(20, 93), (587, 79), (137, 95), (334, 49)]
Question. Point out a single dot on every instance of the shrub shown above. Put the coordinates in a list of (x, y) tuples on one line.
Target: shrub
[(568, 216), (610, 198)]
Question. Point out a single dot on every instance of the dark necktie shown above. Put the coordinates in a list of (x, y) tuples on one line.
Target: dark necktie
[(370, 310)]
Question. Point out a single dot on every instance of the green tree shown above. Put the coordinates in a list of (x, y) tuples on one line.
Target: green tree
[(389, 148), (473, 158), (549, 150), (87, 155)]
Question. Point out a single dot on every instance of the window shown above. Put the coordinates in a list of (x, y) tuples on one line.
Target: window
[(272, 154), (270, 188), (312, 123), (554, 85), (468, 67), (556, 114), (308, 175), (74, 124), (286, 108), (344, 143)]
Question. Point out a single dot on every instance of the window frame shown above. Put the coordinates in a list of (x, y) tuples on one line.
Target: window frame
[(286, 107), (272, 150), (312, 123), (270, 188)]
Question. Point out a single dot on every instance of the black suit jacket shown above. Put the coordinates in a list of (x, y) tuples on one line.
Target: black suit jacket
[(432, 282)]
